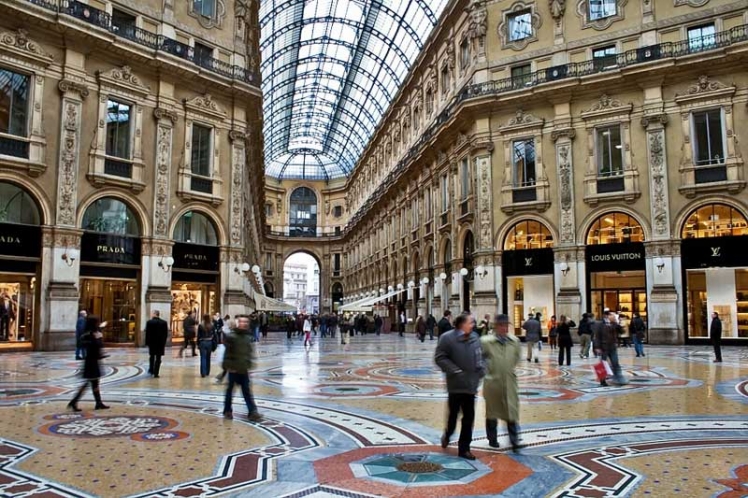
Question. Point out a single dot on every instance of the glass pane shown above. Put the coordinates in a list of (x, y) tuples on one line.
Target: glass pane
[(195, 228), (14, 94), (600, 9), (201, 149), (17, 206), (109, 215), (118, 129), (524, 163), (520, 26)]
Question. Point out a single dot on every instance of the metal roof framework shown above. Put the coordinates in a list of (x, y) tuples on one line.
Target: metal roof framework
[(330, 69)]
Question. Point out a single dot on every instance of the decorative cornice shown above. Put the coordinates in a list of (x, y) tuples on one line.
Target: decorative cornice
[(163, 113), (660, 118), (69, 86), (205, 105), (19, 42), (522, 119), (214, 21), (569, 133), (607, 105), (704, 84), (235, 135), (123, 77)]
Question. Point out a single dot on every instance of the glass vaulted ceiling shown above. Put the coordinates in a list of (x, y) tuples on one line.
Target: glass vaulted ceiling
[(329, 69)]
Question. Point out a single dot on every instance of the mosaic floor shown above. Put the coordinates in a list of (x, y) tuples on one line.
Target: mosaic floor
[(364, 420)]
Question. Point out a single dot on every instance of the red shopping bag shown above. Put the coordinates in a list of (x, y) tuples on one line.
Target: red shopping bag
[(602, 370)]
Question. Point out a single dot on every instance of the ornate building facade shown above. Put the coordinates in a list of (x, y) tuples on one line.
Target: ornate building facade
[(130, 149), (558, 157)]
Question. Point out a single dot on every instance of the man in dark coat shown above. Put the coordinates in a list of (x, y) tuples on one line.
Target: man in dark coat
[(715, 334), (430, 326), (156, 333), (80, 326), (190, 333), (445, 325)]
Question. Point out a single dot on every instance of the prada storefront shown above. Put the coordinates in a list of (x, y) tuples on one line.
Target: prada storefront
[(527, 271), (715, 271), (20, 253), (616, 267), (110, 268), (195, 274)]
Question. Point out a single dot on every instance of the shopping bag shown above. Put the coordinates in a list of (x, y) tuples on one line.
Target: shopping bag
[(602, 370), (220, 351)]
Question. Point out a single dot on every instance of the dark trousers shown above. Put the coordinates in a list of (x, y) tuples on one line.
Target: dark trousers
[(5, 327), (94, 387), (717, 343), (206, 348), (188, 342), (241, 379), (492, 431), (561, 351), (154, 364), (465, 403)]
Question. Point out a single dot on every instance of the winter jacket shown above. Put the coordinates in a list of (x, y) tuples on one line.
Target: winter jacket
[(564, 333), (532, 330), (240, 353), (444, 325), (460, 357)]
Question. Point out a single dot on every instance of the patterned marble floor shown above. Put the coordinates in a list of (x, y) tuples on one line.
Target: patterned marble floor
[(364, 420)]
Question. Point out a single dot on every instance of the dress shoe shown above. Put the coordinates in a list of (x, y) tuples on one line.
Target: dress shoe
[(494, 444), (467, 456), (254, 417), (228, 415), (445, 441), (603, 383), (73, 407), (101, 406), (537, 360), (515, 448)]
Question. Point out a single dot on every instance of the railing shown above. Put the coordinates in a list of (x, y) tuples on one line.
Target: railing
[(606, 185), (113, 167), (299, 232), (524, 194), (709, 174), (14, 147), (99, 18), (200, 184)]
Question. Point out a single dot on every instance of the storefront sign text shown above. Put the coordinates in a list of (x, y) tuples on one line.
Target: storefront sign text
[(20, 240), (712, 252), (615, 257), (110, 249), (195, 257)]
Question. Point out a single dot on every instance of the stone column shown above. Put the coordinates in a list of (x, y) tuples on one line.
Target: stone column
[(235, 301), (155, 287), (60, 284), (235, 297), (664, 305), (569, 269)]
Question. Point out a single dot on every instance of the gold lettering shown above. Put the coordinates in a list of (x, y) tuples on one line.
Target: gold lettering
[(9, 239), (110, 249)]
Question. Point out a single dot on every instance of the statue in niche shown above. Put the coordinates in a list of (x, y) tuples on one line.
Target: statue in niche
[(558, 8)]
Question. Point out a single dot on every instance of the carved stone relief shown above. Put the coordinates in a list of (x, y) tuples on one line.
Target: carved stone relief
[(67, 182), (237, 189), (19, 42), (658, 183), (566, 192), (485, 197), (503, 28), (163, 161)]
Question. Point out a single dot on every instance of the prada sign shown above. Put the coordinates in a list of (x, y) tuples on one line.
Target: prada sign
[(615, 257), (527, 262), (195, 257), (110, 249), (714, 252), (20, 240)]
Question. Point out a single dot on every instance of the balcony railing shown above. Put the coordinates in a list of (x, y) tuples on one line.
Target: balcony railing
[(13, 147), (308, 232), (612, 182), (200, 184), (524, 194), (100, 18), (114, 167), (710, 174)]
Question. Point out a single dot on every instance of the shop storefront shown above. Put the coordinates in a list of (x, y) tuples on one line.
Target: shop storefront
[(195, 274), (527, 273), (715, 271), (616, 267), (20, 253), (110, 268)]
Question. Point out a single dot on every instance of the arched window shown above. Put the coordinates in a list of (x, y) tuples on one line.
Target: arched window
[(528, 234), (196, 228), (615, 228), (17, 206), (714, 220), (303, 213), (110, 215)]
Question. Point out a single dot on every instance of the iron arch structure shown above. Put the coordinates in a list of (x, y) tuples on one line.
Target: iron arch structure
[(330, 70)]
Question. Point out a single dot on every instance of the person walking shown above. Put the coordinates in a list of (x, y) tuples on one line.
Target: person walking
[(563, 329), (585, 335), (238, 361), (290, 328), (430, 326), (637, 328), (80, 326), (458, 354), (189, 325), (156, 334), (553, 333), (206, 342), (378, 322), (307, 331), (92, 342), (484, 327), (501, 353), (445, 324), (332, 325), (403, 321), (605, 341), (532, 336), (715, 334), (421, 328)]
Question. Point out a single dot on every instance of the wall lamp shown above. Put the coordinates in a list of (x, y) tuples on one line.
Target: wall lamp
[(255, 269), (390, 288), (166, 263), (464, 272), (442, 276), (481, 272), (425, 280), (564, 268), (244, 268), (411, 284), (660, 264), (69, 256), (400, 287), (381, 291)]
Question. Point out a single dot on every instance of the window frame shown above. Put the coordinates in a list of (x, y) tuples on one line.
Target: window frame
[(599, 132), (694, 141), (130, 128), (512, 18), (529, 183), (465, 179), (523, 80), (444, 188), (602, 4), (210, 147), (29, 101), (600, 63), (701, 45)]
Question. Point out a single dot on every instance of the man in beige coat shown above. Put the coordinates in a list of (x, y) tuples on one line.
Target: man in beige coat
[(501, 353)]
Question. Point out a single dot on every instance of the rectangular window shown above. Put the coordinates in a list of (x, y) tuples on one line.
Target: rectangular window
[(520, 25), (604, 58), (203, 55), (521, 75), (205, 8), (414, 207), (701, 37), (118, 125), (123, 23), (600, 9), (201, 149), (708, 142), (429, 102), (336, 262), (524, 162), (464, 179), (427, 203), (337, 211), (446, 80), (445, 193), (14, 103), (609, 151), (465, 58)]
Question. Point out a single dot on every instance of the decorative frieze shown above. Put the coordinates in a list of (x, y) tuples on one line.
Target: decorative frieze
[(658, 176), (67, 179), (164, 134), (238, 163)]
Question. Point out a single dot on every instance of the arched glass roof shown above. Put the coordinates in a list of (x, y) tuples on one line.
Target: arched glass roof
[(330, 69)]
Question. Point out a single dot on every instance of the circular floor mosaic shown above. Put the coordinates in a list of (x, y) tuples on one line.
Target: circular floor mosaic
[(137, 428)]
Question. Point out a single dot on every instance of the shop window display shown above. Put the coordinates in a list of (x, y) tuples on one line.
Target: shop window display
[(615, 228), (116, 303), (17, 300), (528, 235)]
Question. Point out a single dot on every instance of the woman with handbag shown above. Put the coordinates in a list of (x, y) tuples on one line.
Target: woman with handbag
[(92, 342), (206, 342), (563, 329)]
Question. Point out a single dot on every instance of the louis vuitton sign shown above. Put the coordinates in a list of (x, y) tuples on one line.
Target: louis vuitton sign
[(527, 262), (110, 249), (615, 257), (20, 240), (195, 257), (713, 252)]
